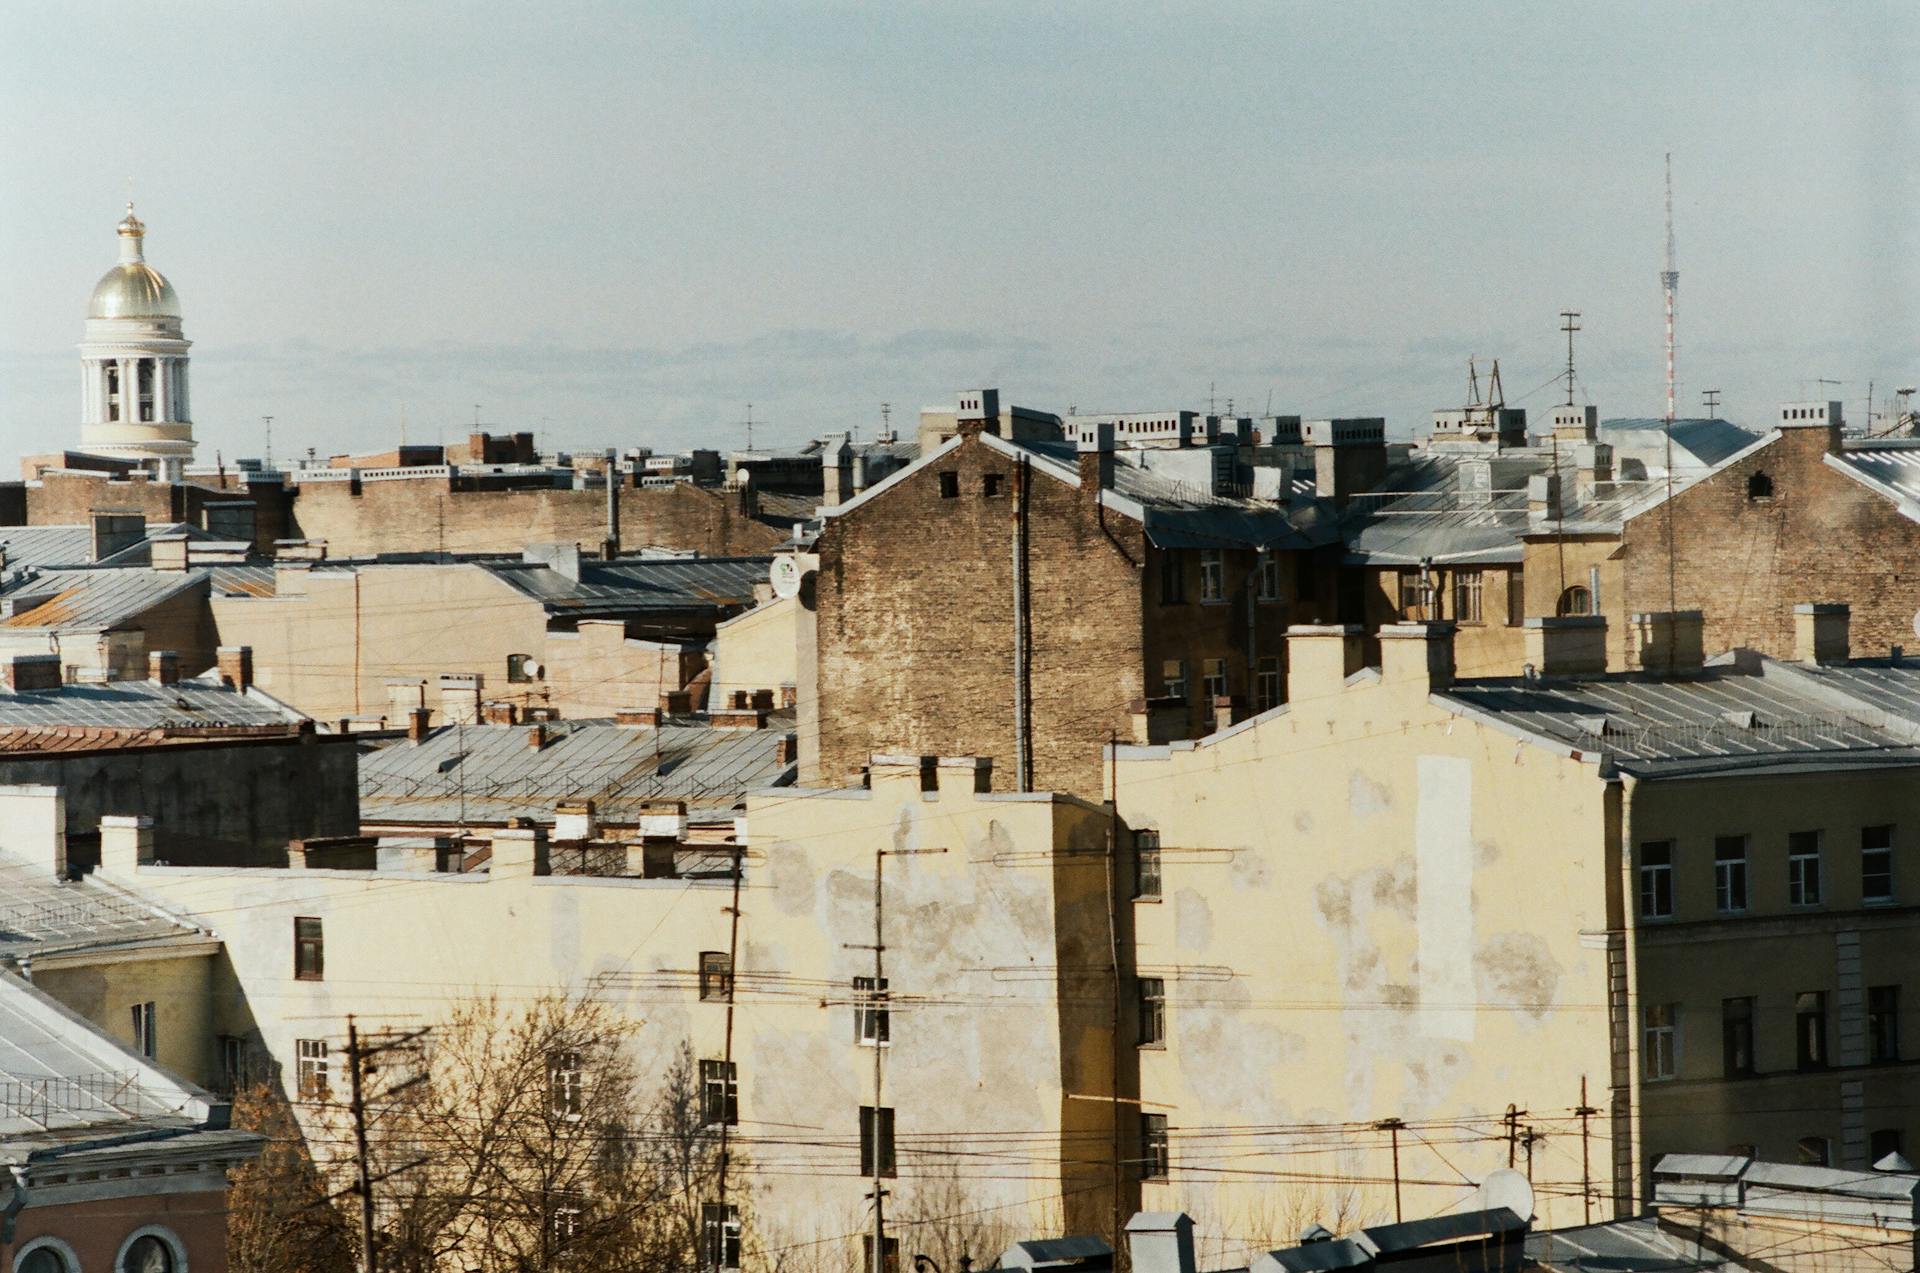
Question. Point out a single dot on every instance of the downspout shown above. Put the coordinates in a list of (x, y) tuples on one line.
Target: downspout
[(15, 1204), (1022, 704), (1252, 589)]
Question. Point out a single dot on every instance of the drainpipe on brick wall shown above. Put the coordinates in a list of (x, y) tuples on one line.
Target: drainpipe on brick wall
[(1022, 704), (1252, 590)]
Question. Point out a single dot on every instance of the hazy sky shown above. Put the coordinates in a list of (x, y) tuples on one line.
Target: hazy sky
[(622, 222)]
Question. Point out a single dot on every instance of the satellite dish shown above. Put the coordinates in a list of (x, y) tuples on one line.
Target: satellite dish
[(1505, 1187), (787, 576)]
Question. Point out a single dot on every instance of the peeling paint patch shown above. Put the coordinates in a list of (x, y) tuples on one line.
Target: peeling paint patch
[(1303, 822), (1365, 797), (1192, 920), (1518, 970), (1249, 869)]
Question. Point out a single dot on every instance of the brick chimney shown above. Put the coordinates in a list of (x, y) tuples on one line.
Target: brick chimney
[(1096, 461), (115, 531), (787, 750), (737, 718), (536, 737), (163, 667), (637, 717), (22, 672), (1320, 657), (1821, 633), (499, 712), (1670, 642), (1417, 654), (236, 667), (419, 724), (1569, 645)]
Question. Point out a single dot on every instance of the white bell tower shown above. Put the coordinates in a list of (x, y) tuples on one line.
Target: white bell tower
[(133, 386)]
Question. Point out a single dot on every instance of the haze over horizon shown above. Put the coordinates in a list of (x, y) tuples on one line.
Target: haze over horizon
[(621, 223)]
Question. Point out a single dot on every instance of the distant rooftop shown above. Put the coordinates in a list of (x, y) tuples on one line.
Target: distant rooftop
[(141, 705)]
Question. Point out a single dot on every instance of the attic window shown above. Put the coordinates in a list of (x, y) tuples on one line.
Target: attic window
[(1759, 486), (992, 484), (1575, 601), (949, 485)]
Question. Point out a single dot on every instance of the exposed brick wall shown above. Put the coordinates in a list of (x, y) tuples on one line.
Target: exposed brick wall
[(1747, 562), (424, 516)]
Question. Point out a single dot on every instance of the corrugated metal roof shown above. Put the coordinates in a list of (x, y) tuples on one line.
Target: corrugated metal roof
[(489, 773), (1722, 718), (90, 599), (1637, 1245), (40, 913), (1698, 442), (1895, 466), (629, 586), (1891, 687), (141, 705)]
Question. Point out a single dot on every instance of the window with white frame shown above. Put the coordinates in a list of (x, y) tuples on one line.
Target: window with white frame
[(1730, 874), (1213, 679), (311, 1055), (1156, 1157), (1146, 864), (1467, 588), (1803, 868), (719, 1093), (1269, 577), (1876, 864), (566, 1083), (1153, 1012), (1266, 684), (1213, 575), (719, 1235), (1656, 879), (1658, 1057)]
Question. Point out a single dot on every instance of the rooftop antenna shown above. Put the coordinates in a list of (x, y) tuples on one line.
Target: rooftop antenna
[(1210, 388), (1670, 284), (1712, 398), (268, 421), (749, 424), (886, 419), (1569, 323), (1473, 383)]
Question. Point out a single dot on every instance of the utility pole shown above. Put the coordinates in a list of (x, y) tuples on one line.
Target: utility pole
[(1670, 286), (1512, 1119), (365, 1178), (1113, 950), (1392, 1126), (1712, 398), (1585, 1112), (733, 981), (1569, 323)]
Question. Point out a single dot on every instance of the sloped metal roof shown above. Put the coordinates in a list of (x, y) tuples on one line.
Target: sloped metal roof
[(40, 913), (630, 586), (1891, 687), (489, 773), (95, 598), (1697, 441), (141, 705), (1894, 466)]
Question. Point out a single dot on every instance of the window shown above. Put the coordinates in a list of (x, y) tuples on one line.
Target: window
[(1153, 1012), (1730, 874), (1516, 598), (889, 1254), (1814, 1151), (1174, 674), (1173, 579), (1466, 595), (871, 1024), (1213, 575), (1154, 1157), (1876, 864), (309, 950), (1574, 601), (716, 975), (150, 1253), (1803, 868), (719, 1093), (569, 1216), (1266, 684), (566, 1083), (1736, 1037), (145, 1041), (1879, 1145), (949, 485), (1883, 1023), (1269, 577), (1146, 864), (520, 668), (1657, 1055), (993, 485), (47, 1258), (719, 1235), (115, 411), (312, 1054), (1656, 879), (1413, 593), (876, 1136), (1810, 1029), (1213, 679), (234, 1077), (1759, 486)]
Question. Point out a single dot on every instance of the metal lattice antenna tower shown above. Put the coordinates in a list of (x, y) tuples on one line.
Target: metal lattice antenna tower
[(1670, 284), (1569, 323)]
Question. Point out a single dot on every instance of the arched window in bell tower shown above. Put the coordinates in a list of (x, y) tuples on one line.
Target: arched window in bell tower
[(113, 391), (146, 388)]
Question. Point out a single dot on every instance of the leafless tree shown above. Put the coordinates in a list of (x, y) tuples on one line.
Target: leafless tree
[(280, 1218)]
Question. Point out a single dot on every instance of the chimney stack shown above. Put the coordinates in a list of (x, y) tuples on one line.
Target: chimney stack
[(1349, 455), (610, 547), (23, 672), (1543, 498), (1161, 1242), (1095, 453), (1320, 657), (163, 667), (236, 667), (637, 717), (518, 853), (1821, 633), (536, 736), (1417, 654), (1569, 645), (1670, 642), (115, 532), (419, 724), (126, 843), (460, 697)]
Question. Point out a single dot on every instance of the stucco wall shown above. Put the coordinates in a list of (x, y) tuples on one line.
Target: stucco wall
[(758, 649), (105, 992)]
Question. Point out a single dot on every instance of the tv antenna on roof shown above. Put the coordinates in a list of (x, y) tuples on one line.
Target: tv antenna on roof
[(1712, 398), (749, 423), (1569, 323), (268, 421)]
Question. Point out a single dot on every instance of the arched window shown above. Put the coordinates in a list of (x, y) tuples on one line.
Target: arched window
[(1575, 600), (1759, 486), (49, 1255), (151, 1249)]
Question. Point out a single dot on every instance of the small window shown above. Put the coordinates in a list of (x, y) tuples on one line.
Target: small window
[(1657, 1049), (1146, 864), (1759, 486), (1876, 864), (1803, 868), (872, 1026), (1656, 879), (1155, 1156), (1413, 594), (876, 1137), (1173, 580), (719, 1093), (1467, 586), (1730, 874), (1516, 598), (716, 976), (312, 1056), (1736, 1037), (309, 950), (1883, 1024), (145, 1037), (1213, 575), (1266, 684), (1174, 677), (720, 1235), (1213, 679), (566, 1084), (1883, 1142), (889, 1254), (1269, 577), (46, 1258), (1810, 1029), (149, 1253), (1814, 1151), (1153, 1012), (520, 668), (949, 485), (1576, 600), (993, 485), (569, 1217), (235, 1075)]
